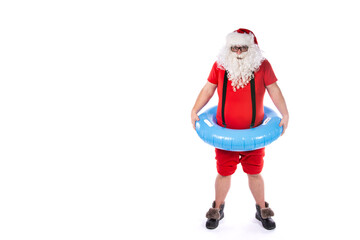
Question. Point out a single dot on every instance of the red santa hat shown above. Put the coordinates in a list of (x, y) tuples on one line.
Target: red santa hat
[(241, 37)]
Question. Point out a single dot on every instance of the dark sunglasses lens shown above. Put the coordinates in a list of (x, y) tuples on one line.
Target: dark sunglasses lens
[(242, 48)]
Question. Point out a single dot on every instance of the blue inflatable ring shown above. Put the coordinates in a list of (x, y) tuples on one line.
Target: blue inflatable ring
[(238, 140)]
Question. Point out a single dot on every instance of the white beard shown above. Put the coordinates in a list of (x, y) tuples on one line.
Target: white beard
[(240, 67)]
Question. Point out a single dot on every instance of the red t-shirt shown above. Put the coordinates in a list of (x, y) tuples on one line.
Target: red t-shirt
[(238, 106)]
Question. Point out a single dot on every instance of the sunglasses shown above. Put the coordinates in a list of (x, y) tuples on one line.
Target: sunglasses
[(241, 48)]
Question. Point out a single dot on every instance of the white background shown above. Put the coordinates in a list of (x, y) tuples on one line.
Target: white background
[(95, 133)]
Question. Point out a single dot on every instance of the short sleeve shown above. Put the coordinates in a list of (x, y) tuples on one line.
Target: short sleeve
[(213, 76), (269, 75)]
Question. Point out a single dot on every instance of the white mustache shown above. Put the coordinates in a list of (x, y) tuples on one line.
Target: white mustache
[(241, 55)]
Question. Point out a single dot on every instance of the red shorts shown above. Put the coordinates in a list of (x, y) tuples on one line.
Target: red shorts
[(252, 162)]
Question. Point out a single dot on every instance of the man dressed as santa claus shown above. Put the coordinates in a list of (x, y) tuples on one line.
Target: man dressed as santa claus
[(241, 76)]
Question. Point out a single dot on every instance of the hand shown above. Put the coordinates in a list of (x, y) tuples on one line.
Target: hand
[(284, 123), (194, 118)]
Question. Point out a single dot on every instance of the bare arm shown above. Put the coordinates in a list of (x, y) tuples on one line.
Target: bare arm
[(205, 95), (279, 101)]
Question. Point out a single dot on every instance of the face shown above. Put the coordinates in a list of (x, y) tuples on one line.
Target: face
[(240, 51)]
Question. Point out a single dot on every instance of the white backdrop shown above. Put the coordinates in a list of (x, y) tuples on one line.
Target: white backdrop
[(95, 133)]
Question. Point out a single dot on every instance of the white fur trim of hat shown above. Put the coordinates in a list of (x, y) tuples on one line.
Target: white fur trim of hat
[(239, 39)]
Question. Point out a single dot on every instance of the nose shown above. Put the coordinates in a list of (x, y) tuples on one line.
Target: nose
[(238, 51)]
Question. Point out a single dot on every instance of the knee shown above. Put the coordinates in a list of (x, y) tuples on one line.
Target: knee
[(223, 176), (254, 176)]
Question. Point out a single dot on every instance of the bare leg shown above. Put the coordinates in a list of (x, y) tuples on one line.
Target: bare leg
[(222, 186), (256, 184)]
